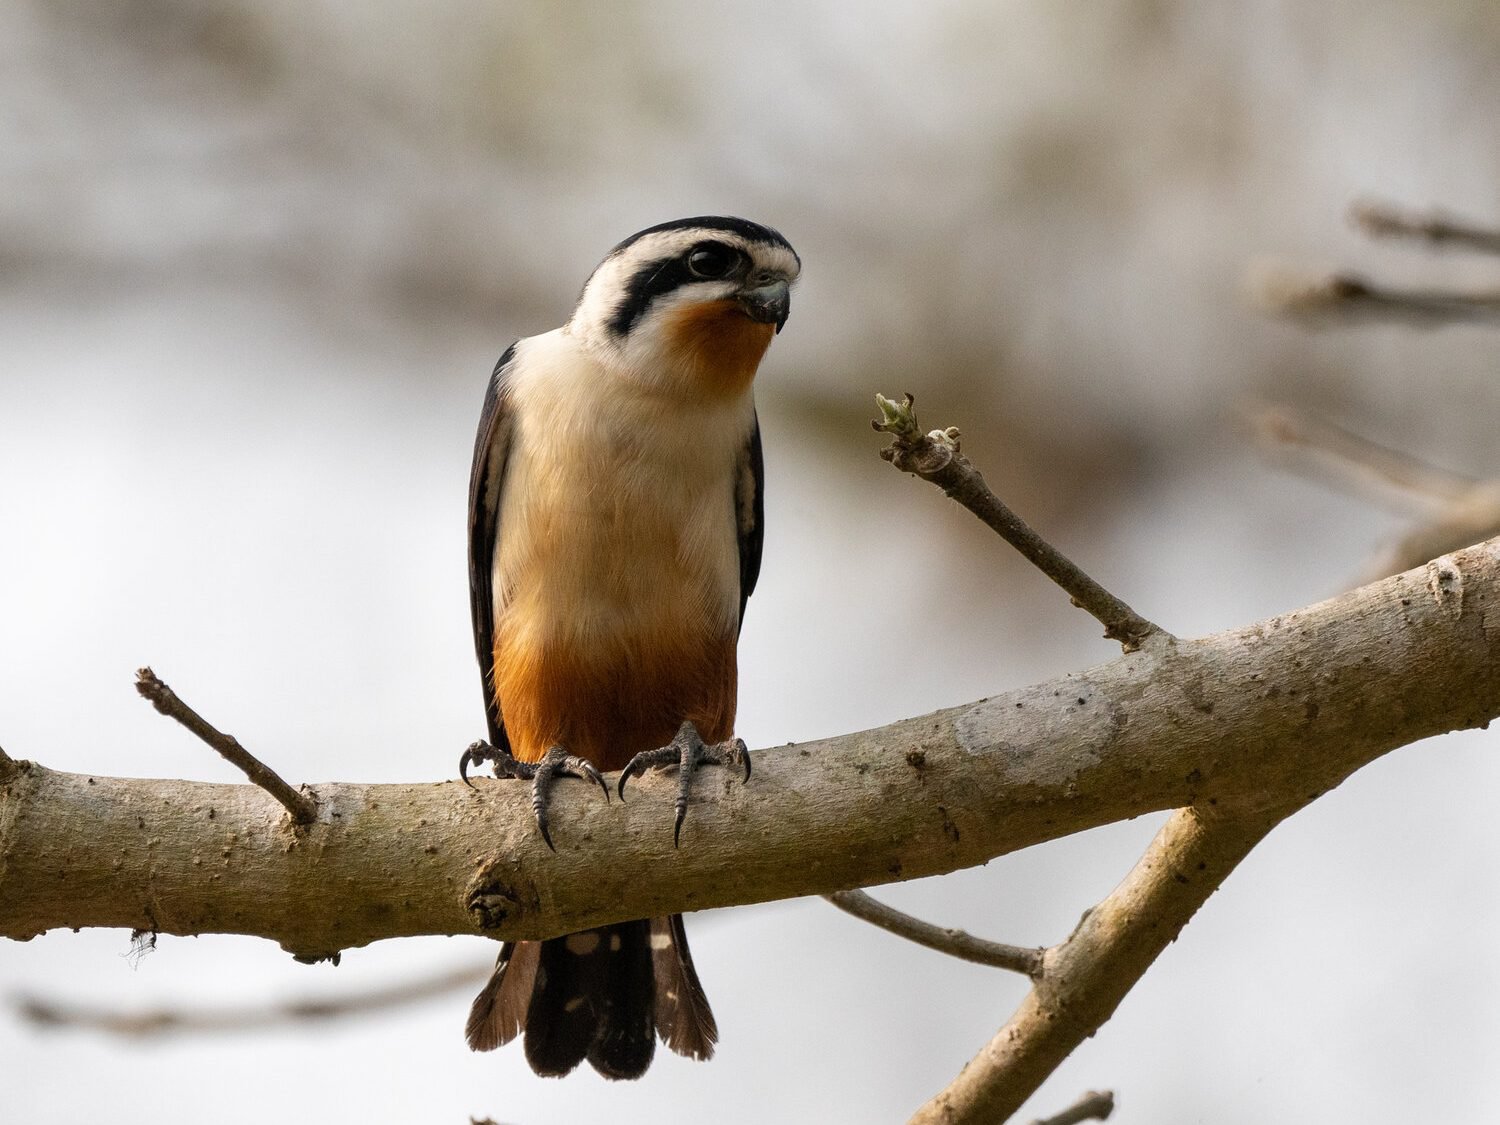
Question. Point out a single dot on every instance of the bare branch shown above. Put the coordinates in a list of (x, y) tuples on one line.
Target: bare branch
[(1346, 298), (1085, 978), (935, 457), (1458, 510), (1289, 705), (956, 943), (176, 1021), (301, 806), (1096, 1105), (1361, 466), (1383, 220), (1469, 519)]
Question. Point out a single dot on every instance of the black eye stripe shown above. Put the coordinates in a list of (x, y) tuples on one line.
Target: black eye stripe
[(653, 280), (746, 242), (657, 279)]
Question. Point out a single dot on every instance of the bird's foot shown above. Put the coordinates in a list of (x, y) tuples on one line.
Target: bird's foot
[(556, 763), (687, 751)]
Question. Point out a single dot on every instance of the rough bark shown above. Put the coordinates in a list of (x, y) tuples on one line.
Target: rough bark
[(1274, 712)]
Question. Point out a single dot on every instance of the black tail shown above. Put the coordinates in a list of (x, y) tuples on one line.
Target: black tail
[(604, 995)]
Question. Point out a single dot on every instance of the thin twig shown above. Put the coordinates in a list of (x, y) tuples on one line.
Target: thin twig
[(1348, 298), (1382, 220), (1096, 1105), (956, 943), (935, 457), (301, 806), (1084, 979), (173, 1021)]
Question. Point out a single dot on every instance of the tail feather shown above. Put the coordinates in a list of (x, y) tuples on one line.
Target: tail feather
[(626, 1037), (683, 1018), (499, 1011), (562, 1020), (602, 994)]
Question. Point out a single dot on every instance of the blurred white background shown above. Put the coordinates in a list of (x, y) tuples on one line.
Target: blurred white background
[(258, 258)]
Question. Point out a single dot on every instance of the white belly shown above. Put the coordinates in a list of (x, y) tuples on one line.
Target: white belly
[(618, 514)]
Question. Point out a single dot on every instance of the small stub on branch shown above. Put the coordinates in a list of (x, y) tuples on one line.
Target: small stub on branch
[(1096, 1105)]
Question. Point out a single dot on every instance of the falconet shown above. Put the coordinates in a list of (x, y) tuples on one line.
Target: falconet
[(615, 510)]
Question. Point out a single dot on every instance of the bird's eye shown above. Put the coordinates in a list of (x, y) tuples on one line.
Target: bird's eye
[(710, 260)]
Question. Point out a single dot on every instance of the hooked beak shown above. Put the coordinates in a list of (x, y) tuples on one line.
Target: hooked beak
[(767, 304)]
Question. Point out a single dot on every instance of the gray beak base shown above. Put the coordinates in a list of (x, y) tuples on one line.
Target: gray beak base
[(768, 304)]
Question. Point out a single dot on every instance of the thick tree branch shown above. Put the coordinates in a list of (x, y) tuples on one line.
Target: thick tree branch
[(304, 809), (1084, 979), (935, 457), (956, 943), (1280, 709)]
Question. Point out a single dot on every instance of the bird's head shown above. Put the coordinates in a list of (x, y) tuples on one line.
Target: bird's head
[(692, 303)]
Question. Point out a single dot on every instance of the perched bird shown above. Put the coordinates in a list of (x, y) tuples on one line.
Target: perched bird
[(614, 536)]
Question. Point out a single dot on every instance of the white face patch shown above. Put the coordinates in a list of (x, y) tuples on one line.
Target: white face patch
[(610, 283), (580, 945)]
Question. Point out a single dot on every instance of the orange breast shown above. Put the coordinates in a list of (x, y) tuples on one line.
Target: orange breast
[(721, 345), (608, 701)]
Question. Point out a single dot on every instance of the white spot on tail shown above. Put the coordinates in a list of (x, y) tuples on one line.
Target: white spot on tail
[(661, 941), (574, 1004), (614, 943)]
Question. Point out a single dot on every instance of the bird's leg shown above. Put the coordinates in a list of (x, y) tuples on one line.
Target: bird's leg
[(687, 751), (556, 763)]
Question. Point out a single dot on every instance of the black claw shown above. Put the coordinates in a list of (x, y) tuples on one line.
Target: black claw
[(687, 752), (556, 763), (476, 755), (647, 759), (598, 778)]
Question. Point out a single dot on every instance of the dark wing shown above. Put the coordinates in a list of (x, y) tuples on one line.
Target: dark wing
[(750, 512), (486, 481)]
